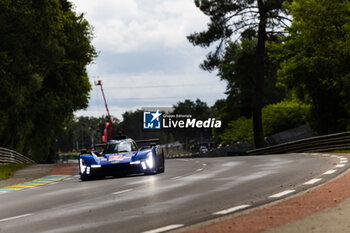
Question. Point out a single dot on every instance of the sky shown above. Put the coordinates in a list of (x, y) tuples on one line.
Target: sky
[(145, 59)]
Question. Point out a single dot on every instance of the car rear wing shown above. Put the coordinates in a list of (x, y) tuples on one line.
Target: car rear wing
[(98, 148)]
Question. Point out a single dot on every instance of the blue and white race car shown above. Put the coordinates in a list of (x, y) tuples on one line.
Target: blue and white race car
[(122, 157)]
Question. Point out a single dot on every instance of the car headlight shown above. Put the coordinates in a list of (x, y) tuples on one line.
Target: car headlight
[(82, 167), (149, 160)]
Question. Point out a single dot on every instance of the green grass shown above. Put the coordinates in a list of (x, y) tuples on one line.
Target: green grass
[(339, 151), (7, 169)]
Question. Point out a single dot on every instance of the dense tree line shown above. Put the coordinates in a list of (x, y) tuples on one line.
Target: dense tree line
[(285, 61), (83, 132), (44, 48), (314, 61), (246, 18), (290, 56)]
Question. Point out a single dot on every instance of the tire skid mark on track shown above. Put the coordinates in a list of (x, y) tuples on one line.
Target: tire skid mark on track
[(15, 217), (123, 191), (192, 173)]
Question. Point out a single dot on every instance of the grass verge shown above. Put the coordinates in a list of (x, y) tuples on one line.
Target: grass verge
[(339, 151), (7, 169)]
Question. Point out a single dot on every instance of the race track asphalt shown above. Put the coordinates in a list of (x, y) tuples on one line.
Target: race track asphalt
[(190, 191)]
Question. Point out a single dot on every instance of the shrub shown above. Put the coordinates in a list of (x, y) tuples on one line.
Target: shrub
[(278, 117)]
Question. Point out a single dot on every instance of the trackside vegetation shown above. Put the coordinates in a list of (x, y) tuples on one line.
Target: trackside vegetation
[(7, 169), (285, 63), (260, 20), (301, 76), (276, 118), (44, 49), (314, 60)]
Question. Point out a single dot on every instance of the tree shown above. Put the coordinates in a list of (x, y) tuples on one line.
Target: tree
[(198, 110), (227, 18), (278, 117), (44, 49), (236, 68), (84, 132), (132, 124), (315, 60)]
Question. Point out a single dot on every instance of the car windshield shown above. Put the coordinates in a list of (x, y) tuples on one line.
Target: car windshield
[(119, 148)]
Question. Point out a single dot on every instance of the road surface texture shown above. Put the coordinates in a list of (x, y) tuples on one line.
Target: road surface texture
[(37, 171), (311, 211), (189, 192)]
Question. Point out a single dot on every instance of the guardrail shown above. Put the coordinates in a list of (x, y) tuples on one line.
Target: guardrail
[(10, 156), (338, 141)]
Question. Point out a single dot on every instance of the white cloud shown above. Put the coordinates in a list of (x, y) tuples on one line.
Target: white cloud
[(132, 92), (128, 26), (143, 43)]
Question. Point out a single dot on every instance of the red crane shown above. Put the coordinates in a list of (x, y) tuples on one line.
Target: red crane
[(107, 133)]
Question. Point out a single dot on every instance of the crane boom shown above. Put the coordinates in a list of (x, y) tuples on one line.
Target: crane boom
[(108, 129)]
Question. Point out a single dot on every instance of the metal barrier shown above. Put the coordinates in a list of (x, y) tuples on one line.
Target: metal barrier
[(338, 141), (10, 156)]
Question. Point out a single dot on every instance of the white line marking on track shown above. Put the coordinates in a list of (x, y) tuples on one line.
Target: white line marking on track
[(340, 165), (343, 161), (329, 172), (166, 228), (15, 217), (313, 181), (230, 210), (204, 164), (199, 170), (177, 177), (123, 191), (282, 193)]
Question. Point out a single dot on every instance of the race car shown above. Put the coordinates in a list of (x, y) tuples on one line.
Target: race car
[(122, 156)]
